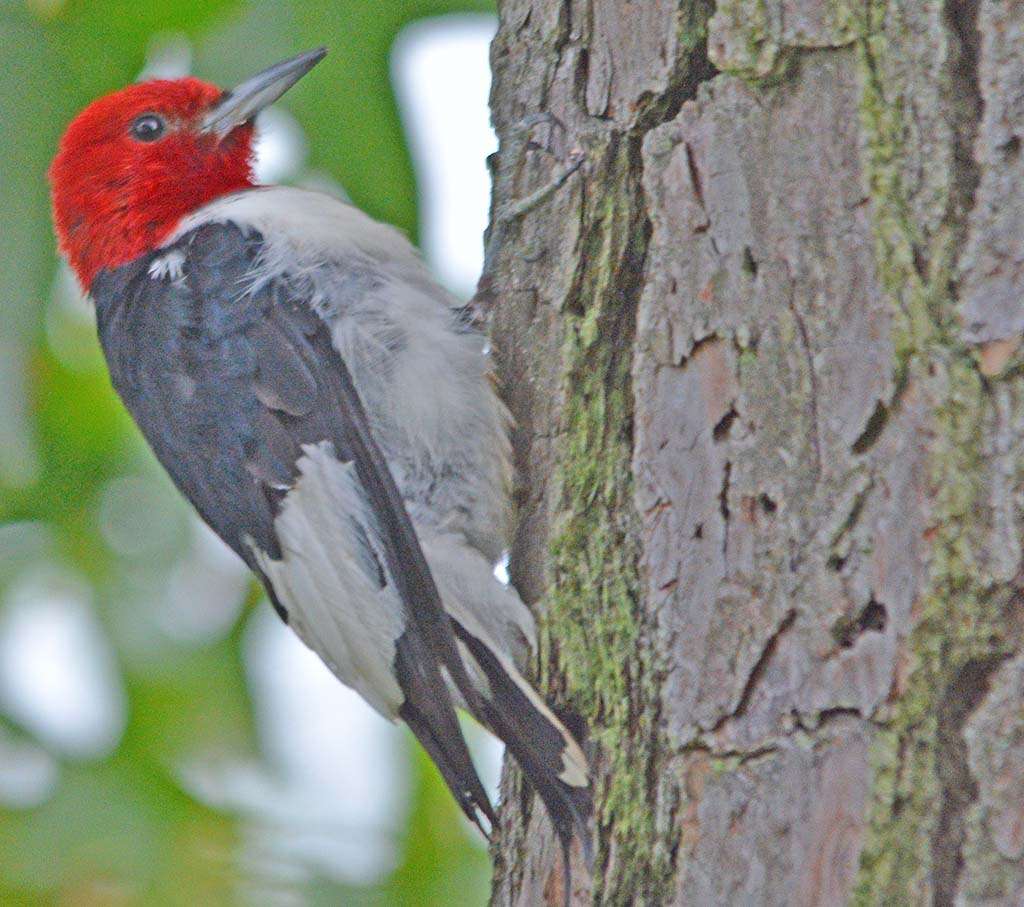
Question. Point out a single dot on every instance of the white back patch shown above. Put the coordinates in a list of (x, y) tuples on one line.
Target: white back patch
[(169, 266)]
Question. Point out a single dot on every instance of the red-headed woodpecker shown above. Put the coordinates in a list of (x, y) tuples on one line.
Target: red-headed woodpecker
[(324, 405)]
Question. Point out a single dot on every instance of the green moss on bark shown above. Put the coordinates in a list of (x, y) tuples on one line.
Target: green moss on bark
[(597, 635), (758, 52), (959, 623), (595, 624), (957, 617), (755, 45)]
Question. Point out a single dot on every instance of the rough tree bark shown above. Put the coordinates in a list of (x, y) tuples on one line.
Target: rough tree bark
[(762, 350)]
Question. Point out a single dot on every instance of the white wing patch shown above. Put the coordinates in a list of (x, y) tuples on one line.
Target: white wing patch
[(333, 603)]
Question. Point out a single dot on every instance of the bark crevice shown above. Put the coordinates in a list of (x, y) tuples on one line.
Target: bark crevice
[(758, 670), (959, 789)]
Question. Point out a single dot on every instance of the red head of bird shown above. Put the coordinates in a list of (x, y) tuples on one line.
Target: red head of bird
[(132, 164)]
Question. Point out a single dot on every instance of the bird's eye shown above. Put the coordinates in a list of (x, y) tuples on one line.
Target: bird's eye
[(148, 127)]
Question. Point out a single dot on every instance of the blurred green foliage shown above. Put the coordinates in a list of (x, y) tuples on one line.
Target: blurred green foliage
[(123, 829)]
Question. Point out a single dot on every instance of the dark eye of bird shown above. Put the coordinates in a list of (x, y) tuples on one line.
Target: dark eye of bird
[(148, 127)]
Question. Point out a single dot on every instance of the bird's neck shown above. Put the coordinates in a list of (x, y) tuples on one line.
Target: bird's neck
[(117, 232)]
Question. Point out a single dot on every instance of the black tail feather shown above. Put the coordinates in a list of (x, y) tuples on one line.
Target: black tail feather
[(537, 741), (466, 788), (432, 719)]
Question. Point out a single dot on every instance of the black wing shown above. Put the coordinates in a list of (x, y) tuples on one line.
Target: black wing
[(227, 382)]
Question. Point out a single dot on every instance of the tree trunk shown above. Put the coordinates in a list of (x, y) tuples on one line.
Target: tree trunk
[(761, 349)]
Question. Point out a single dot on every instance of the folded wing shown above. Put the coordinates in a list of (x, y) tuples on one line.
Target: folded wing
[(252, 411)]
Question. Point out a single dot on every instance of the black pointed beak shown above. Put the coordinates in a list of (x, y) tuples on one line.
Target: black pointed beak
[(244, 101)]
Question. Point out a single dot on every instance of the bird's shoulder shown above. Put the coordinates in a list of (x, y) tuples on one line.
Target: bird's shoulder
[(334, 256), (304, 224)]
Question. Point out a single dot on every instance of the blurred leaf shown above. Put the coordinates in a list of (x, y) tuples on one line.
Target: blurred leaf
[(440, 863), (123, 820)]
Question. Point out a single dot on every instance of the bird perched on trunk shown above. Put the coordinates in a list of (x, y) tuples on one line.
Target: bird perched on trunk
[(323, 404)]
